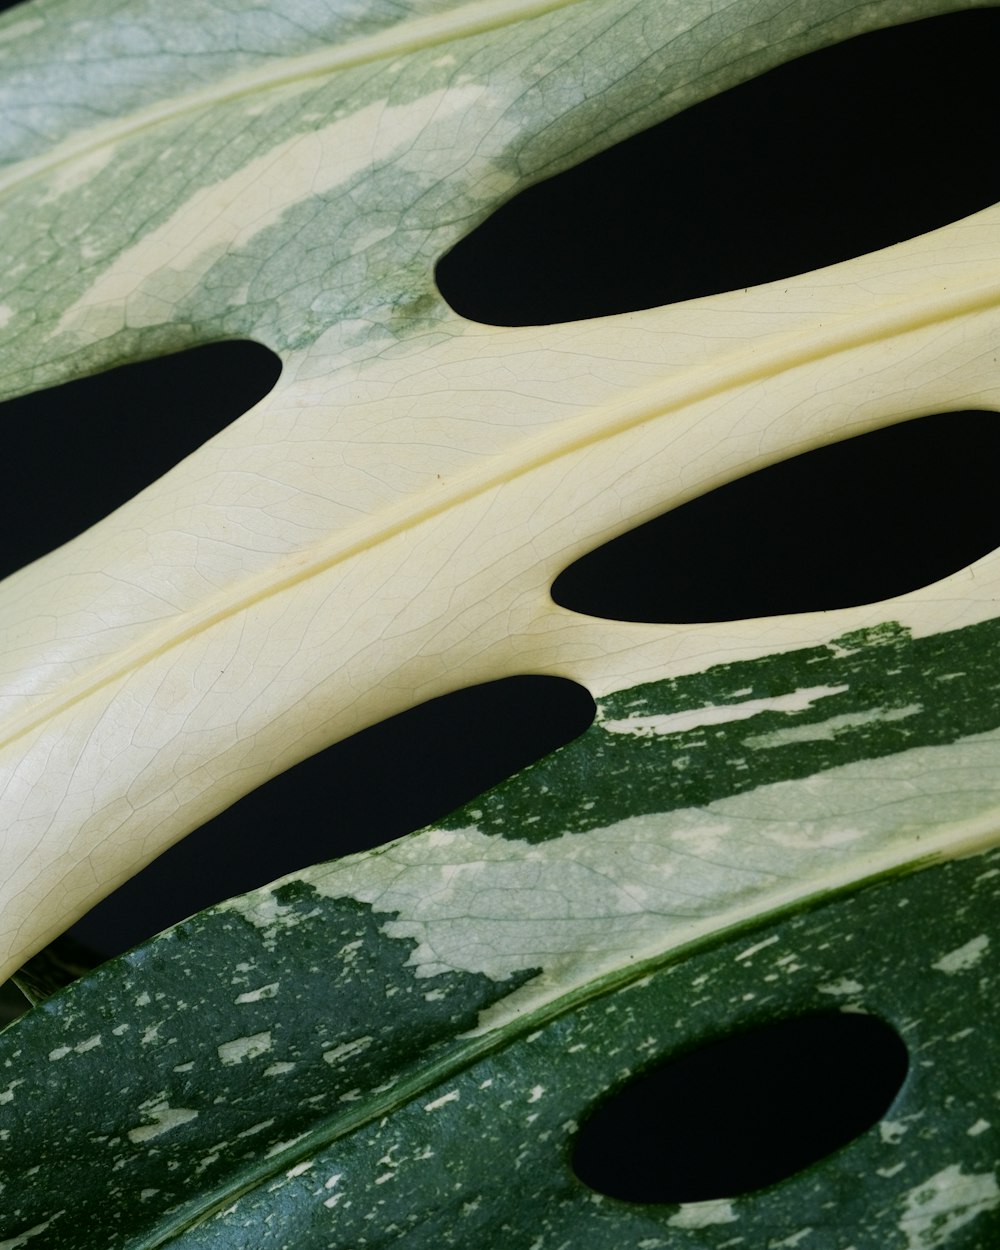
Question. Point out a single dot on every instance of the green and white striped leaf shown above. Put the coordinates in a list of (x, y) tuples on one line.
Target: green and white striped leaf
[(399, 1048), (342, 1059)]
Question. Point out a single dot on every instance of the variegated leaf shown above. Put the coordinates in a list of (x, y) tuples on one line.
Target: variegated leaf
[(308, 1065)]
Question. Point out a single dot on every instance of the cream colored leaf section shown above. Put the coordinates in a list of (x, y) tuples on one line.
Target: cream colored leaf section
[(384, 527), (447, 582), (229, 214)]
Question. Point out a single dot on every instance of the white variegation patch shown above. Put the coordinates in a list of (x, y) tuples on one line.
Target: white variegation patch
[(23, 1239), (589, 903), (827, 730), (347, 1050), (163, 1117), (241, 1048), (965, 957), (703, 1214), (720, 714), (142, 283), (944, 1203), (71, 176), (262, 992)]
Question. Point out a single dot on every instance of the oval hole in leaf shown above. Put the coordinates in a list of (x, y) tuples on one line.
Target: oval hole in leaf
[(397, 776), (743, 1112), (846, 150), (75, 452), (855, 522)]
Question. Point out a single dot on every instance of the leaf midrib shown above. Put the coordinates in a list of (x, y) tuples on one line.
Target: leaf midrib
[(844, 333), (408, 36)]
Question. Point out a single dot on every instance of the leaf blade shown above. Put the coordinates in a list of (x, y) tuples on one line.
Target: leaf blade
[(225, 1147), (231, 610)]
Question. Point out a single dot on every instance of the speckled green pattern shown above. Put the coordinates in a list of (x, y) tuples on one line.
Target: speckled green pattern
[(213, 1063), (864, 696), (461, 1153), (193, 1067), (482, 1158), (397, 1049)]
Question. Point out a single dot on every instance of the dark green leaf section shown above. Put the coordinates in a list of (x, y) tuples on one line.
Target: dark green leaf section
[(219, 1079), (890, 692), (482, 1159), (310, 1137), (187, 1069)]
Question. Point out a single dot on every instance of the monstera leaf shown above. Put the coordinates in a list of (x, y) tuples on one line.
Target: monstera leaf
[(405, 1047)]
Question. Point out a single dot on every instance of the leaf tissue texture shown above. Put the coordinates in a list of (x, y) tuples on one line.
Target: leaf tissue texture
[(922, 507), (138, 420), (359, 793), (398, 1047)]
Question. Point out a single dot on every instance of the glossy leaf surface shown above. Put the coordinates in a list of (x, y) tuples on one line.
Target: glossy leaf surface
[(398, 1047)]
